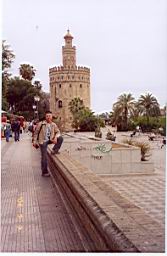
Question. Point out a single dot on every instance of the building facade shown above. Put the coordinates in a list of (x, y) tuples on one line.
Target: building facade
[(68, 82)]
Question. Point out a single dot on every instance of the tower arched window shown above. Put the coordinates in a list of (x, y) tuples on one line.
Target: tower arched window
[(70, 85), (60, 105), (59, 85), (80, 85)]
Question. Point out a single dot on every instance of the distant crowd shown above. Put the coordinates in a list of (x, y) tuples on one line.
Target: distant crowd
[(13, 128)]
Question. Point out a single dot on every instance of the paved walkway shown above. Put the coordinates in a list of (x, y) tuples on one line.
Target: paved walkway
[(33, 213)]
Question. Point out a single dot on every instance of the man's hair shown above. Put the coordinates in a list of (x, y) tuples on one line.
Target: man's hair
[(48, 112)]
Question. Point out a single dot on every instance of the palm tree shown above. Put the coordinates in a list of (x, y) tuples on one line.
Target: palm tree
[(27, 71), (148, 106), (122, 109), (7, 59), (76, 105)]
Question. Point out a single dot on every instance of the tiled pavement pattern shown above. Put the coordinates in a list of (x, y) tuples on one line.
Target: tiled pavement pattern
[(145, 191), (33, 215)]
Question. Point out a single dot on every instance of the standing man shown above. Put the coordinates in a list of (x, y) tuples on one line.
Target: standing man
[(46, 133)]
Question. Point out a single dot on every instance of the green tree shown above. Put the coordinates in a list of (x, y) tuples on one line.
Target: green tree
[(44, 104), (148, 106), (38, 84), (122, 109), (83, 118), (7, 59), (27, 71), (20, 96)]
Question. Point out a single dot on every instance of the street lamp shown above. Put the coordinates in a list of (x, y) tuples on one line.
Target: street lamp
[(34, 108), (37, 99)]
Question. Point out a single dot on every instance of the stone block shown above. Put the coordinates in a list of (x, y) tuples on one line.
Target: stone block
[(135, 155), (126, 155), (126, 168), (116, 168), (147, 166), (116, 156), (101, 164)]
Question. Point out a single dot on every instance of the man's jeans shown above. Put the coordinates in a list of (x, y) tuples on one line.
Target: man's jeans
[(7, 135), (58, 144), (44, 164), (43, 148), (16, 135)]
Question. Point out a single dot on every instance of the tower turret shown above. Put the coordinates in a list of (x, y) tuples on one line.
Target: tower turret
[(69, 52)]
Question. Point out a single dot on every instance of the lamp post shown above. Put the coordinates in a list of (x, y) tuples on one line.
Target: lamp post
[(34, 108), (37, 99)]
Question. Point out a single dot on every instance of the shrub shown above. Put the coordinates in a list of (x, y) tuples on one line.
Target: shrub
[(144, 147)]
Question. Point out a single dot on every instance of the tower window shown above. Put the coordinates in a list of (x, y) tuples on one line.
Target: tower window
[(59, 85), (82, 77), (60, 105), (70, 85), (68, 77), (61, 77), (72, 77), (58, 77), (80, 85)]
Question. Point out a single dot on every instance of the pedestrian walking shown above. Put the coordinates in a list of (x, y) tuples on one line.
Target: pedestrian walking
[(47, 133), (16, 129), (7, 131)]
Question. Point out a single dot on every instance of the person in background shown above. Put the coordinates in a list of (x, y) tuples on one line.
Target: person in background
[(7, 131), (16, 130), (34, 126), (47, 133)]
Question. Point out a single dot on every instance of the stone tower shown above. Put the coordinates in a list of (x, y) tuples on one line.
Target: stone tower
[(67, 82)]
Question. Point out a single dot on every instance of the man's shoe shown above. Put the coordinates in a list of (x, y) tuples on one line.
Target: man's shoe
[(54, 152), (45, 174)]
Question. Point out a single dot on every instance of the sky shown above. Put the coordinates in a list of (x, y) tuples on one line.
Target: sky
[(123, 42)]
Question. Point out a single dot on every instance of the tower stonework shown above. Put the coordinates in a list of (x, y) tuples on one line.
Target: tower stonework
[(68, 82)]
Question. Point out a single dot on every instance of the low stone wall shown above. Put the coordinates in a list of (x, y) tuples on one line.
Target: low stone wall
[(103, 158), (112, 222)]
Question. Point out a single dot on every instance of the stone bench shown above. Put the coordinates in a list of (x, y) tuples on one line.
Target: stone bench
[(112, 222)]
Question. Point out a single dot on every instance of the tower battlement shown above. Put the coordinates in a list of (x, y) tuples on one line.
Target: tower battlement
[(62, 68)]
